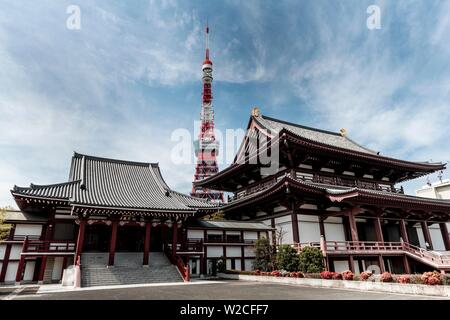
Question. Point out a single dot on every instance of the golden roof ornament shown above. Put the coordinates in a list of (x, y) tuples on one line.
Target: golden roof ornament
[(256, 112), (343, 132)]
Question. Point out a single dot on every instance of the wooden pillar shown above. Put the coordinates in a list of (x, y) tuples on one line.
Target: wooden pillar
[(148, 226), (351, 263), (353, 227), (322, 228), (403, 231), (445, 237), (294, 219), (21, 265), (174, 238), (42, 270), (224, 247), (378, 229), (381, 263), (406, 266), (112, 243), (204, 260), (80, 239), (7, 254), (426, 234), (243, 252)]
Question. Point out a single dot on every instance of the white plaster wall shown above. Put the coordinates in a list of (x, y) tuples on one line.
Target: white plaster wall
[(29, 270), (233, 232), (420, 236), (16, 249), (238, 264), (444, 192), (2, 251), (267, 223), (308, 206), (286, 218), (340, 266), (191, 264), (286, 229), (278, 209), (436, 237), (11, 272), (195, 234), (28, 229), (309, 231), (250, 235), (306, 217), (356, 266), (215, 251), (248, 264), (334, 231), (57, 268), (233, 251), (249, 251), (214, 232)]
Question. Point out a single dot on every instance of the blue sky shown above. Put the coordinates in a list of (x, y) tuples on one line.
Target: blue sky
[(120, 85)]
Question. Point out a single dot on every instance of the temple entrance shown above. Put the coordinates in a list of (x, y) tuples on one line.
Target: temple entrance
[(158, 237), (130, 239), (97, 238)]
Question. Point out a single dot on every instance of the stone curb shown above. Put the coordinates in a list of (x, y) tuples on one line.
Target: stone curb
[(414, 289)]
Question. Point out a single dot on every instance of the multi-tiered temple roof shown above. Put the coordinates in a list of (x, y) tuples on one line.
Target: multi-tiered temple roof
[(301, 145)]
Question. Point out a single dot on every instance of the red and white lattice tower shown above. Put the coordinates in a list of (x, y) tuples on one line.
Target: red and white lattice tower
[(206, 147)]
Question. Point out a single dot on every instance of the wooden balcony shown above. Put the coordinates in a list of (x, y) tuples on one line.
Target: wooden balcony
[(48, 247), (323, 178)]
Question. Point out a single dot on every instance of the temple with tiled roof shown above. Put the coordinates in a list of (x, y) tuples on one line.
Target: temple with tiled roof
[(321, 188), (117, 213)]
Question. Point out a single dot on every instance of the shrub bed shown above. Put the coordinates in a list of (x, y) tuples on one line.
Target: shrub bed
[(428, 278)]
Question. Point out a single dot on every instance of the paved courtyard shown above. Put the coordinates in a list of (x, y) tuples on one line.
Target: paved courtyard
[(214, 290)]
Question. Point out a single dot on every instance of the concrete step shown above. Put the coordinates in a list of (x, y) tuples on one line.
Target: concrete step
[(128, 270)]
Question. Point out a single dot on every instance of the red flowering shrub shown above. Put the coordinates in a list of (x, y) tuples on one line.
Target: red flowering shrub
[(326, 275), (432, 278), (256, 272), (386, 277), (337, 276), (404, 278), (298, 274), (275, 273), (365, 275), (264, 273), (347, 275)]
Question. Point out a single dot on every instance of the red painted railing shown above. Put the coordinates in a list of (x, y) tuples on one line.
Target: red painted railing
[(191, 246), (178, 262), (368, 247), (330, 179), (42, 246), (431, 256)]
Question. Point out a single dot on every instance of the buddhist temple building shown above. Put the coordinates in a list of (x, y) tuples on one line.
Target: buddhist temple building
[(331, 192)]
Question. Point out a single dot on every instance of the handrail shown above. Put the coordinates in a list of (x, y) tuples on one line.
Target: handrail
[(178, 262), (49, 246), (332, 179), (378, 247)]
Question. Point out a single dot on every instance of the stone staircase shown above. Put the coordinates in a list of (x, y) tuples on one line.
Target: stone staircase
[(128, 269)]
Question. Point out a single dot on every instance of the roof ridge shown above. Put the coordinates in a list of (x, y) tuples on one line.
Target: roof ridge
[(39, 186), (301, 126), (104, 159)]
